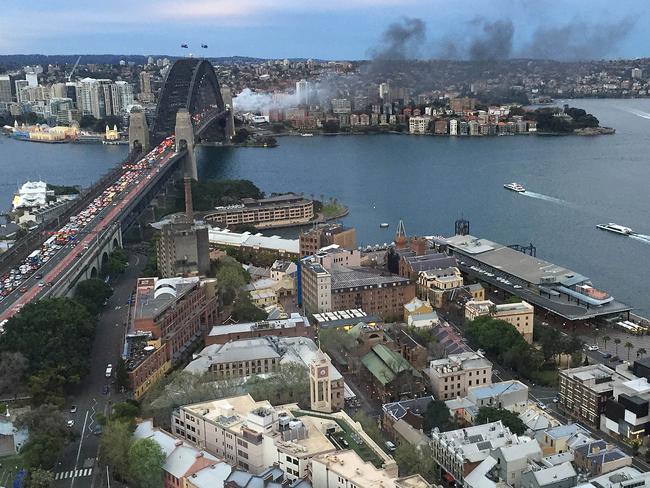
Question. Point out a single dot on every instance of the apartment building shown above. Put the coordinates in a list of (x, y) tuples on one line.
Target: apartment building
[(294, 326), (168, 316), (252, 435), (626, 412), (333, 280), (460, 452), (419, 124), (519, 314), (584, 391), (324, 235), (344, 469), (451, 377), (264, 213)]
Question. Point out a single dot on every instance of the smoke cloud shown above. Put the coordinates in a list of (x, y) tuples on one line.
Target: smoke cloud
[(493, 42), (577, 40), (401, 40), (249, 101), (482, 39)]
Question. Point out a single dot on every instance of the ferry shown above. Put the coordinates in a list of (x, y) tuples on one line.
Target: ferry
[(514, 187), (384, 225), (615, 228), (307, 134)]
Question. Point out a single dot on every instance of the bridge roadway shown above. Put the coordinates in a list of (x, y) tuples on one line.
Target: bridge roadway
[(57, 271)]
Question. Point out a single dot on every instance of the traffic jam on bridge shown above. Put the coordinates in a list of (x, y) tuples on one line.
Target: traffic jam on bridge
[(24, 282)]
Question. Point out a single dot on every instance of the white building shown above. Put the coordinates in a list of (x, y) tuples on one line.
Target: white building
[(453, 127), (419, 124)]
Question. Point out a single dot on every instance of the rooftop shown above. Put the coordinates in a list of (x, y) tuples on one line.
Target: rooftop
[(598, 377), (554, 474), (344, 277), (496, 389), (294, 320), (344, 318), (223, 237), (561, 286), (463, 361), (397, 410), (155, 295), (475, 443)]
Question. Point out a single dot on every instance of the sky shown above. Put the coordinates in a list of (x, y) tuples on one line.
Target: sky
[(329, 29)]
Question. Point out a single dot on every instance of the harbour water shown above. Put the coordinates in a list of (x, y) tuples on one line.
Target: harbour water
[(572, 182)]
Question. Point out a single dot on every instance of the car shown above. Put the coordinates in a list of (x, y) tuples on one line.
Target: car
[(41, 284), (23, 289), (97, 430), (593, 347), (109, 370), (517, 287), (73, 409), (70, 423), (542, 405), (606, 354), (556, 399)]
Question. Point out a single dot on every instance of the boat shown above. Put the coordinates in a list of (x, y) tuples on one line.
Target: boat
[(307, 135), (384, 225), (514, 187), (615, 228)]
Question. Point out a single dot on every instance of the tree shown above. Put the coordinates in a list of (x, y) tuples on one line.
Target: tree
[(40, 478), (617, 341), (121, 374), (146, 459), (244, 310), (241, 136), (437, 415), (55, 335), (48, 436), (230, 278), (114, 445), (13, 367), (629, 346), (126, 411), (335, 339), (606, 339), (416, 460), (509, 419), (87, 122), (290, 384), (181, 388), (92, 294), (641, 352)]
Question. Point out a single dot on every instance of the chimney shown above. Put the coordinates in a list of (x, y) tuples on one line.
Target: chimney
[(189, 212)]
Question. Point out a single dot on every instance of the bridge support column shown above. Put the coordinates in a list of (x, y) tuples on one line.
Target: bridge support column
[(185, 140), (138, 130)]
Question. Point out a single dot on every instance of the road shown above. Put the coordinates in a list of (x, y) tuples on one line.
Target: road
[(56, 268), (77, 466)]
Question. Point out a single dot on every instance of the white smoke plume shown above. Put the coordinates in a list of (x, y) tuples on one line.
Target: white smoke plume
[(249, 101)]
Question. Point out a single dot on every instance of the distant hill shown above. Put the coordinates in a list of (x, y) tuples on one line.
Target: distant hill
[(14, 61)]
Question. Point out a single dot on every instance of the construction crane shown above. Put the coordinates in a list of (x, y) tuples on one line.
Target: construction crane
[(74, 68)]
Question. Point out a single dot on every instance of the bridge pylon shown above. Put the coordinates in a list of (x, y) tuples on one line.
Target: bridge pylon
[(185, 140), (138, 130)]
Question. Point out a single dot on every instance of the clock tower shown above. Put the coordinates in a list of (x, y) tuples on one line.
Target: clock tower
[(320, 384)]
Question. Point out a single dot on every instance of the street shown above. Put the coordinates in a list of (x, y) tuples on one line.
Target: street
[(77, 464)]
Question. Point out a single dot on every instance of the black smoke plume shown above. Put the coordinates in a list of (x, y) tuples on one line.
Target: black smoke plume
[(401, 40)]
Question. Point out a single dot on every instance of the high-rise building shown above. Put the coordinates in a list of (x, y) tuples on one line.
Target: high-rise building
[(20, 84), (302, 92), (59, 109), (122, 97), (5, 88), (146, 92), (637, 73), (59, 90), (32, 79), (384, 92)]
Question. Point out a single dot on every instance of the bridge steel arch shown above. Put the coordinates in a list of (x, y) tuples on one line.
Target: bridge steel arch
[(190, 84)]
